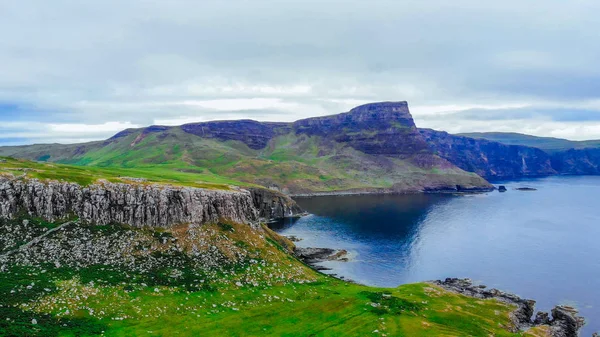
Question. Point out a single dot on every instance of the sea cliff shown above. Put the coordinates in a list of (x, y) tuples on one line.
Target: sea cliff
[(138, 204)]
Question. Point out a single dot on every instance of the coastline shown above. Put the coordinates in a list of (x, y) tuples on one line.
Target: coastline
[(392, 192), (565, 321)]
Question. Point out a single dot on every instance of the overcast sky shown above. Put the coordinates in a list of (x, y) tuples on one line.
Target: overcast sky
[(76, 70)]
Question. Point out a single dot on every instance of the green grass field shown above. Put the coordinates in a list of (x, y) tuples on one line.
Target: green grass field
[(86, 175), (279, 296)]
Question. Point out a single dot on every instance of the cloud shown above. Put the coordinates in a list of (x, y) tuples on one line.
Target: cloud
[(140, 62)]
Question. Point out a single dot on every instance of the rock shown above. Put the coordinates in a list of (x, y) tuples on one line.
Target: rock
[(541, 318), (138, 205), (390, 128), (252, 133), (525, 189), (293, 238), (576, 162), (274, 205), (565, 322), (316, 255), (502, 188)]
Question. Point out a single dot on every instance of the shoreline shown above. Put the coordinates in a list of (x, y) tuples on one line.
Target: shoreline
[(565, 321), (385, 192), (562, 321)]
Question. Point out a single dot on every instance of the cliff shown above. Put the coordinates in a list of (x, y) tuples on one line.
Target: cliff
[(487, 158), (575, 162), (137, 205), (274, 205), (255, 135), (492, 159), (385, 128)]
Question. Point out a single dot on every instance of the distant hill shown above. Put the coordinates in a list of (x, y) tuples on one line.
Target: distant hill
[(373, 148), (547, 144)]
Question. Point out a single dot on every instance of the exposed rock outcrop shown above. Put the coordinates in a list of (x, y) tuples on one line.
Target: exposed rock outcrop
[(575, 162), (492, 159), (313, 256), (252, 133), (274, 205), (137, 204), (385, 128), (564, 322), (489, 159)]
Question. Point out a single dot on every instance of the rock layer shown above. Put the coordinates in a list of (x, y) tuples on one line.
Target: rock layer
[(385, 128), (489, 159), (492, 159), (135, 204), (274, 205)]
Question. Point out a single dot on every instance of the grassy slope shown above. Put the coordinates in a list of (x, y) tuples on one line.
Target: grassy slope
[(88, 175), (300, 163), (283, 297), (548, 144)]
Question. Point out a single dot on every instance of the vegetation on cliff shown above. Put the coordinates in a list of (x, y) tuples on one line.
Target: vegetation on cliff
[(222, 279)]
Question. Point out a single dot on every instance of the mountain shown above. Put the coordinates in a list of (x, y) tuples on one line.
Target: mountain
[(548, 144), (372, 148), (491, 159)]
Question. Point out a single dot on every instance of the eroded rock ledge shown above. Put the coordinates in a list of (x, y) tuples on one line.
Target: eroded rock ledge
[(564, 323), (137, 204)]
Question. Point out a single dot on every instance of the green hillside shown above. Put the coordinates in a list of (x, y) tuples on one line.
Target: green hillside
[(547, 144), (297, 163), (89, 174), (221, 279)]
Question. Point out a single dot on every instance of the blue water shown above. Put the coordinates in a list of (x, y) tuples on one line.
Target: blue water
[(543, 244)]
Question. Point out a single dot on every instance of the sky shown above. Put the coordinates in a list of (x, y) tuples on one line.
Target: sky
[(75, 71)]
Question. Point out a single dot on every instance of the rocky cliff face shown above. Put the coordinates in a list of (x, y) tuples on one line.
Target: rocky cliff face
[(136, 204), (385, 128), (584, 161), (274, 205), (492, 159), (489, 159), (252, 133)]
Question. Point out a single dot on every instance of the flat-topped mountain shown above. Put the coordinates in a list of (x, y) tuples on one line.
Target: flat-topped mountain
[(372, 148)]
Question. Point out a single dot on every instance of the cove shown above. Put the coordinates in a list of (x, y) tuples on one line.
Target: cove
[(541, 244)]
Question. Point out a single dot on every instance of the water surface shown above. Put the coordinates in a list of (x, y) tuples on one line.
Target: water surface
[(542, 244)]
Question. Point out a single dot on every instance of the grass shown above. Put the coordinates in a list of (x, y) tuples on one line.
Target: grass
[(86, 175), (101, 300)]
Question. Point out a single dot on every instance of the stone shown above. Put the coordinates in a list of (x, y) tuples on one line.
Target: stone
[(541, 318), (502, 188), (525, 189), (138, 205)]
